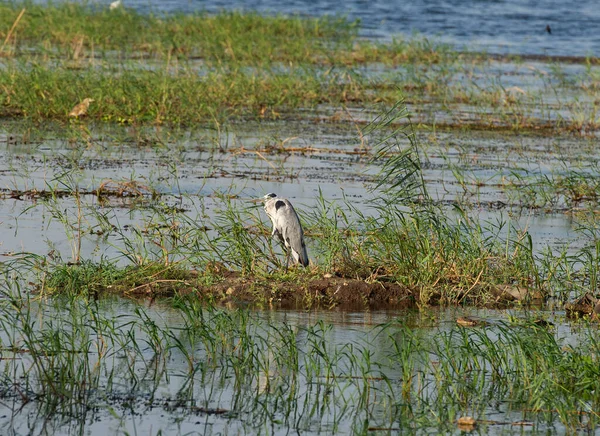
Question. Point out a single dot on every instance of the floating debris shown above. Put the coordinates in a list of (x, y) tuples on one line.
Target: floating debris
[(587, 305), (466, 423), (470, 322)]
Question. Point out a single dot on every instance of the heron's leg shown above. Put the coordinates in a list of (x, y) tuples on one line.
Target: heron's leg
[(287, 259)]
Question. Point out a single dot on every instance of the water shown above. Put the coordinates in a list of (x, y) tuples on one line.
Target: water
[(145, 391), (163, 369), (192, 172), (495, 26), (192, 178)]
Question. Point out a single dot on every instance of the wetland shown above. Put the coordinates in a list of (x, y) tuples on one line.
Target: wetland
[(449, 200)]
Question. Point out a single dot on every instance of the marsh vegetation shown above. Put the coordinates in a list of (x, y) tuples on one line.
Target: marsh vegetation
[(139, 279)]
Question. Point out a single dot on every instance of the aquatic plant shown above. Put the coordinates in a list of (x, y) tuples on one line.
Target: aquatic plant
[(202, 68), (69, 358)]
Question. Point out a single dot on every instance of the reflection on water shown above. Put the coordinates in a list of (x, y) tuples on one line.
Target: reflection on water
[(470, 170), (185, 370)]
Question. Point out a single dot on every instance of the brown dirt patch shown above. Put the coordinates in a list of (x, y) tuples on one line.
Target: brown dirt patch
[(324, 292), (308, 291), (304, 292)]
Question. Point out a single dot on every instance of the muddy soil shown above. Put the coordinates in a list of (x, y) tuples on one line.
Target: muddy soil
[(317, 291)]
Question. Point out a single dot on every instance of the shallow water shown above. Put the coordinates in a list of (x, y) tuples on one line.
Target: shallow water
[(195, 174), (218, 399), (144, 391), (282, 157)]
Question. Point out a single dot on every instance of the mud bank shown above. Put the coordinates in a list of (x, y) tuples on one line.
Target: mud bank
[(316, 291)]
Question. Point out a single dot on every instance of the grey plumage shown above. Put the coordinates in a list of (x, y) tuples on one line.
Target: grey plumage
[(286, 226)]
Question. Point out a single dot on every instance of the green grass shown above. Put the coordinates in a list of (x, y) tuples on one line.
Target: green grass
[(202, 68), (243, 37), (402, 237), (64, 356), (176, 94), (94, 279), (80, 30), (181, 98)]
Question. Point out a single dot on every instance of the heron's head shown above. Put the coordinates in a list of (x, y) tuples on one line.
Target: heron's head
[(87, 101), (269, 196)]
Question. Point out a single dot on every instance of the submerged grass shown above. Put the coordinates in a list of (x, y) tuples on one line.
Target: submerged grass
[(410, 246), (571, 187), (70, 358)]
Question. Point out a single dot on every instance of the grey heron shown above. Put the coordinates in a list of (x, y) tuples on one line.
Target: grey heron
[(286, 226)]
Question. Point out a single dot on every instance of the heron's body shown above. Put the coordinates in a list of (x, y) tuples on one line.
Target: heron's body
[(286, 226), (81, 108), (116, 4)]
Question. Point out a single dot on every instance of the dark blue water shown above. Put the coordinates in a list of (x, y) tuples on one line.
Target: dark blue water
[(496, 26)]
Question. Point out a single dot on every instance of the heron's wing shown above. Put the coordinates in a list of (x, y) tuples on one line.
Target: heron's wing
[(291, 229), (278, 234), (286, 225)]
